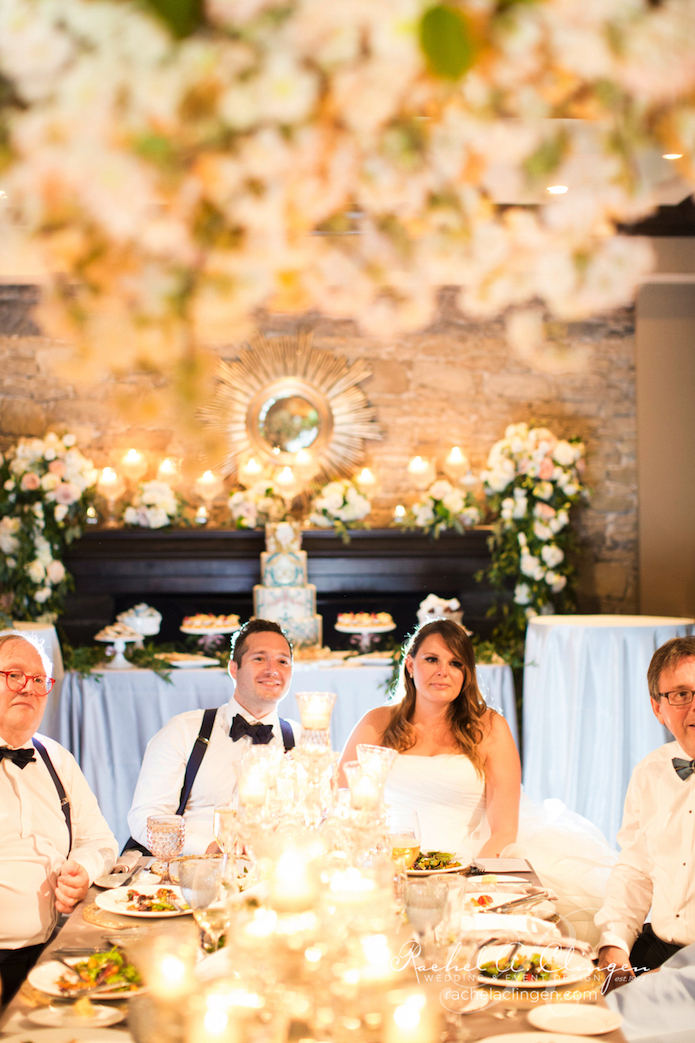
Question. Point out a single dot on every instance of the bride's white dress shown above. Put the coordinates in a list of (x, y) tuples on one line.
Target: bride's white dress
[(568, 853)]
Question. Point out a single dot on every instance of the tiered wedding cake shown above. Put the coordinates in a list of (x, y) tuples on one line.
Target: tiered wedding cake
[(283, 594)]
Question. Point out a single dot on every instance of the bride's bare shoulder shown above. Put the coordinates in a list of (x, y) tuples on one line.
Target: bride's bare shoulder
[(494, 727)]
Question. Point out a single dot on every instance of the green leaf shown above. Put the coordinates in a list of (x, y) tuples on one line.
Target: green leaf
[(446, 38), (182, 17)]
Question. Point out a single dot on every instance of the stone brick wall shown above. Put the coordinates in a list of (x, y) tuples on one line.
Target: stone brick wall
[(455, 383)]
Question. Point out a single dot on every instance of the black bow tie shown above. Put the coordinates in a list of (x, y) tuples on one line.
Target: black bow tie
[(260, 733), (683, 769), (20, 757)]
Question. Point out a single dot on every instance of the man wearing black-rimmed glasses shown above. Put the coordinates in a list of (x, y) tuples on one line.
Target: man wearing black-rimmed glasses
[(53, 839), (656, 868)]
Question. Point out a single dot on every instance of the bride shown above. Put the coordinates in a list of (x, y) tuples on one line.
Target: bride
[(458, 767)]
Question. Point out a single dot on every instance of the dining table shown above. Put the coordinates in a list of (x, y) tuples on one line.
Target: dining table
[(507, 1013), (106, 718)]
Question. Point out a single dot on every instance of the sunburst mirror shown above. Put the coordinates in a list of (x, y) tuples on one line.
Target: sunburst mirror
[(282, 395)]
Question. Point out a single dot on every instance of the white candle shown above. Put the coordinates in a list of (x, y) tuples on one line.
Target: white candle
[(253, 788), (315, 709), (285, 477), (292, 885), (201, 515), (456, 456), (366, 481), (168, 470), (418, 466), (399, 513), (110, 484), (411, 1019), (134, 464)]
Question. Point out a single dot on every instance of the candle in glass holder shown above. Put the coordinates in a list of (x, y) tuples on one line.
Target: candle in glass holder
[(315, 709), (250, 471), (366, 481), (133, 464), (287, 484), (208, 486), (168, 471), (399, 513), (110, 484), (292, 883), (305, 465), (421, 472), (365, 790), (456, 464), (410, 1018), (201, 515), (253, 787)]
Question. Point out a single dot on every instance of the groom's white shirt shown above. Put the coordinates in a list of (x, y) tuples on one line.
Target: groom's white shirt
[(656, 868)]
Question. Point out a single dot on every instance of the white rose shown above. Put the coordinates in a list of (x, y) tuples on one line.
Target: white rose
[(522, 593), (69, 440), (522, 539), (42, 595), (541, 531), (156, 517), (552, 555), (49, 481), (438, 490), (520, 506), (36, 571), (507, 511), (531, 566), (547, 610), (470, 516), (49, 454), (530, 613), (43, 550), (130, 516), (560, 520), (423, 513), (453, 502), (11, 563), (331, 497), (563, 453), (321, 520), (558, 584), (59, 512), (8, 544), (56, 572), (9, 484)]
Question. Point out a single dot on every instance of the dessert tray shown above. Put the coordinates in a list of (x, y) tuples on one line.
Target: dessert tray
[(204, 624)]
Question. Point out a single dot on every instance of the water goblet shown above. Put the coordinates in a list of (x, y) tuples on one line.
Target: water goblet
[(226, 830), (425, 903), (200, 881), (165, 837)]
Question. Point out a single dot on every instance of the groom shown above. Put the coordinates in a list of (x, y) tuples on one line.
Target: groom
[(656, 866), (261, 667)]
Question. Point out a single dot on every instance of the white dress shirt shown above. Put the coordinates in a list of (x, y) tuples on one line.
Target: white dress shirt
[(34, 841), (659, 1008), (656, 867), (164, 764)]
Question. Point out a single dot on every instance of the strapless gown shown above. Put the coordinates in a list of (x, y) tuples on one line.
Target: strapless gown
[(568, 853)]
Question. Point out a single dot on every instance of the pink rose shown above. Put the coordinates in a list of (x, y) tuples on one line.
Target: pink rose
[(30, 481), (57, 467), (546, 469), (67, 493)]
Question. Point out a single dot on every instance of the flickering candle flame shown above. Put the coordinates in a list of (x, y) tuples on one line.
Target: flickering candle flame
[(399, 513), (132, 457), (365, 480), (418, 466), (133, 464), (412, 1020), (168, 470), (110, 484), (456, 456), (286, 477), (253, 788), (208, 486), (201, 515), (315, 709), (252, 466)]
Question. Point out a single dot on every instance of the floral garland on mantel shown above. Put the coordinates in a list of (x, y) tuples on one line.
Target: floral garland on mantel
[(47, 487), (532, 481), (170, 167)]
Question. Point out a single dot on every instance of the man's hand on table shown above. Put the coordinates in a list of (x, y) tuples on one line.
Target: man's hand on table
[(616, 963), (71, 887)]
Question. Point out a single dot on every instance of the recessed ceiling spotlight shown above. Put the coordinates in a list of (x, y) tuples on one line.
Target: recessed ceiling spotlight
[(557, 190), (672, 155)]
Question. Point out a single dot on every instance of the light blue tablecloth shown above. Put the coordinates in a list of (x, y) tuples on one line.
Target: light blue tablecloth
[(587, 714), (107, 720)]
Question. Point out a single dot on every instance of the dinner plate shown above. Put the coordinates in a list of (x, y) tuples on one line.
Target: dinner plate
[(450, 999), (116, 901), (583, 1019), (189, 662), (210, 631), (64, 1035), (574, 966), (464, 859), (498, 898), (528, 1037), (44, 977), (65, 1017)]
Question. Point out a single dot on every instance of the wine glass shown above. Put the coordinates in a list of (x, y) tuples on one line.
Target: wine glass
[(226, 830), (200, 881), (403, 830), (165, 837), (425, 904)]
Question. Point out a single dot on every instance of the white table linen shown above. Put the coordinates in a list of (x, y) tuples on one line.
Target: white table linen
[(587, 714), (107, 723)]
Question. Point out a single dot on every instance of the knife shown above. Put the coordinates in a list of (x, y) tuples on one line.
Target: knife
[(116, 879), (543, 896)]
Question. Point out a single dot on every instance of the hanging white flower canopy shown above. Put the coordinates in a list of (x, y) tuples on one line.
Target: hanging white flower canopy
[(171, 167)]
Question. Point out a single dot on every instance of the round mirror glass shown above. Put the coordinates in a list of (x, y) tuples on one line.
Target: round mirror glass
[(288, 423)]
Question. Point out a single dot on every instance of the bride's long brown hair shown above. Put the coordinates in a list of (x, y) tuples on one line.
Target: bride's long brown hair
[(465, 712)]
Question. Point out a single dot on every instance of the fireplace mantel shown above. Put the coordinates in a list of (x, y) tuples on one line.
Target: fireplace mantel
[(182, 571)]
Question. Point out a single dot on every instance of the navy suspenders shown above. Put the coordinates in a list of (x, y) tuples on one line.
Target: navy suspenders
[(196, 759), (62, 795)]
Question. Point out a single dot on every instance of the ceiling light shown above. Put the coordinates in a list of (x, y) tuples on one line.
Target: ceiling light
[(672, 155), (557, 190)]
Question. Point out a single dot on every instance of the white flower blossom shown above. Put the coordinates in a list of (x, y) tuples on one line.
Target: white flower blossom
[(36, 571), (43, 594), (60, 511), (544, 490), (564, 453), (541, 531), (56, 571), (531, 566), (522, 594), (552, 555), (424, 514)]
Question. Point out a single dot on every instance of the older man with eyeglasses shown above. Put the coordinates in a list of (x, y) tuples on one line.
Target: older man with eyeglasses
[(656, 868), (53, 839)]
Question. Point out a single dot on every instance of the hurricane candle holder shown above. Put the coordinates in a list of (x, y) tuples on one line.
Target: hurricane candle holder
[(366, 791), (376, 760), (315, 709)]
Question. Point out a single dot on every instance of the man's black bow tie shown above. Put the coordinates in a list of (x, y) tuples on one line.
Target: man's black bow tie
[(260, 733), (683, 769), (20, 757)]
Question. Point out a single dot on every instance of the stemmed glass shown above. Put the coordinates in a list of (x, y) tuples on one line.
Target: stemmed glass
[(226, 830), (165, 837), (200, 881), (403, 830), (425, 904)]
